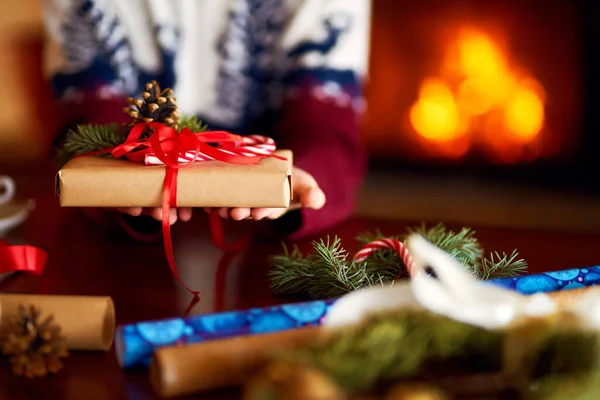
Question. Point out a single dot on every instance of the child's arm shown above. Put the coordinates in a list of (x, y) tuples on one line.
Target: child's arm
[(322, 108), (91, 74)]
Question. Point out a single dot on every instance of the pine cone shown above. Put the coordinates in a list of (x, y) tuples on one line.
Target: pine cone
[(154, 106), (36, 348)]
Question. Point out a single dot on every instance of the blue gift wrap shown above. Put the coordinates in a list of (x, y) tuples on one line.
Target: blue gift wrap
[(135, 343)]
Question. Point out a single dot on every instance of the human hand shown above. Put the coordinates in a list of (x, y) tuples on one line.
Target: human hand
[(184, 214), (307, 194)]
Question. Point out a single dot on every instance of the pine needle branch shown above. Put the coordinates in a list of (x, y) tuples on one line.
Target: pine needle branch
[(89, 138), (327, 272), (501, 266), (192, 123), (395, 346), (290, 274), (461, 245)]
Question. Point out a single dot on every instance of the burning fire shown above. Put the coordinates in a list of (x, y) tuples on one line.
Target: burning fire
[(478, 98)]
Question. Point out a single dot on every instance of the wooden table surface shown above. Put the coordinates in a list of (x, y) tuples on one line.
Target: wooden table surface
[(84, 260)]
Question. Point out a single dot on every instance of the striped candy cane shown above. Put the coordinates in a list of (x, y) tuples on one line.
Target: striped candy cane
[(388, 243), (251, 146)]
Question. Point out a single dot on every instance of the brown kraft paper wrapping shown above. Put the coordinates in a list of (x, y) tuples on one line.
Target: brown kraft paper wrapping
[(91, 181), (201, 367), (87, 323)]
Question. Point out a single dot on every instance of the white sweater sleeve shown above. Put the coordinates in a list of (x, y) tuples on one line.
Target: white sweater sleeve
[(332, 34)]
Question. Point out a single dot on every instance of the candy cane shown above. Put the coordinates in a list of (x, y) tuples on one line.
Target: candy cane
[(387, 243), (251, 146)]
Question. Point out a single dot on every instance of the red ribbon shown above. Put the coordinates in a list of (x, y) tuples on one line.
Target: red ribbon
[(21, 258), (167, 145)]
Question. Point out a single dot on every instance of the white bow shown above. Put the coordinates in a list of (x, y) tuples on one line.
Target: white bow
[(439, 284)]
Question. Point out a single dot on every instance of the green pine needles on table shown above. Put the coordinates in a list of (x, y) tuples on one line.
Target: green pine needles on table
[(537, 359), (328, 271)]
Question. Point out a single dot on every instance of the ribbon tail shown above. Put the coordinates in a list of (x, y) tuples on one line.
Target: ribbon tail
[(170, 198), (218, 236), (22, 258)]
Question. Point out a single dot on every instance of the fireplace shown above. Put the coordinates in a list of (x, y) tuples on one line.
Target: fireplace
[(503, 89)]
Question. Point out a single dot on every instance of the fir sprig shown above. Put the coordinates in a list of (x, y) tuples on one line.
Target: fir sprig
[(501, 266), (90, 138), (192, 123), (552, 356), (327, 272)]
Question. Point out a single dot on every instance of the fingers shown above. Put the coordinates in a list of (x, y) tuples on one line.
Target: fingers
[(133, 211), (262, 213), (307, 191), (239, 214), (185, 214), (157, 214), (313, 198)]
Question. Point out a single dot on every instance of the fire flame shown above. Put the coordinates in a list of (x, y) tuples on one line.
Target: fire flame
[(478, 98)]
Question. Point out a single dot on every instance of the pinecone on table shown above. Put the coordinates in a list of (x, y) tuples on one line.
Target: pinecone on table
[(35, 347), (156, 105)]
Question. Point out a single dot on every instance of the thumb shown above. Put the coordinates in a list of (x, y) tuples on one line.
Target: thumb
[(307, 191)]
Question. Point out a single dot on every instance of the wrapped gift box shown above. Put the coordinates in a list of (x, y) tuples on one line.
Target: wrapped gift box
[(92, 181)]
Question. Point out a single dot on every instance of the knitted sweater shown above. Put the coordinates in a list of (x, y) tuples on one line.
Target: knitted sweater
[(289, 69)]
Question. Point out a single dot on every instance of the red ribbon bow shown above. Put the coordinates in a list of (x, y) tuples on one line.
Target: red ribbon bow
[(168, 145), (15, 258)]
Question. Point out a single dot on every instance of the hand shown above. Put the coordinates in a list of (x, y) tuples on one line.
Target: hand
[(184, 214), (307, 194)]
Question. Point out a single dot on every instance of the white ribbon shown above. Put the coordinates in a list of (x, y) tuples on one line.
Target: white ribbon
[(439, 284)]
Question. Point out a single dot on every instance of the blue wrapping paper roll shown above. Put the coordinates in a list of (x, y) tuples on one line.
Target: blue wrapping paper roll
[(135, 343)]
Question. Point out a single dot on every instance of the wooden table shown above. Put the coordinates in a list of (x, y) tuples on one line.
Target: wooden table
[(85, 261)]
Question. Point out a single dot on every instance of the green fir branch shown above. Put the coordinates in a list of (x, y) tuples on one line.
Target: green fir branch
[(560, 360), (291, 274), (461, 246), (327, 272), (501, 266), (192, 123), (89, 138)]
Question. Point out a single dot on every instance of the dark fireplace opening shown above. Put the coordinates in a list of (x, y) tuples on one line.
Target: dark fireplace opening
[(506, 90)]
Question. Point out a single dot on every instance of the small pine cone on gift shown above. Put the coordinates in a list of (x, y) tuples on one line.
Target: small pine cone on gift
[(156, 105), (284, 381), (36, 348)]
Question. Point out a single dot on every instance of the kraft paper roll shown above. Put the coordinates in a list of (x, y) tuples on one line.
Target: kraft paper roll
[(87, 322), (184, 370)]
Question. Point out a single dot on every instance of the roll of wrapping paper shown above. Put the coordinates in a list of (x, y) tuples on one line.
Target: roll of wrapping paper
[(135, 343), (86, 322), (182, 370)]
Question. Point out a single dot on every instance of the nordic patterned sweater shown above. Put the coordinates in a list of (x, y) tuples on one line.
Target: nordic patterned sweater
[(290, 69)]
